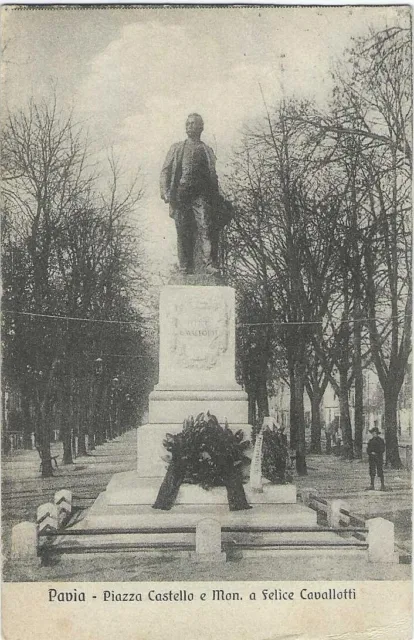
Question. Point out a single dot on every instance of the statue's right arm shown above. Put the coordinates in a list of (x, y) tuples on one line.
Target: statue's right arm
[(165, 178)]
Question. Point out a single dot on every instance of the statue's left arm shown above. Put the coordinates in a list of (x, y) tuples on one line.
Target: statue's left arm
[(166, 177), (212, 166), (224, 210)]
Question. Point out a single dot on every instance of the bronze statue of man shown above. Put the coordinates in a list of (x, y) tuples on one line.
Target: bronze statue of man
[(189, 184)]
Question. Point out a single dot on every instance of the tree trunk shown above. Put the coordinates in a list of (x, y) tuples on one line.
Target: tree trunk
[(92, 426), (66, 436), (346, 429), (262, 398), (299, 419), (82, 410), (44, 437), (359, 386), (82, 440), (251, 407), (91, 439), (357, 326), (27, 422), (95, 429), (359, 413), (316, 424), (74, 440), (391, 429), (65, 430), (292, 411)]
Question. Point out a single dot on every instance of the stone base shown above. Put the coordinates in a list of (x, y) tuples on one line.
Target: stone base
[(104, 515), (128, 488), (151, 451), (175, 405), (195, 279), (200, 558)]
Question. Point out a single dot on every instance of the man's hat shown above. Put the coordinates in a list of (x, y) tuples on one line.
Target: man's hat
[(374, 430)]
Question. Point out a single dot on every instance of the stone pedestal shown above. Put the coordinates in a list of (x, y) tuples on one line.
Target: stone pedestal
[(197, 356), (196, 369)]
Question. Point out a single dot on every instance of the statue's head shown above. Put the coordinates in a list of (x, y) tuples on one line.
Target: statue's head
[(194, 125)]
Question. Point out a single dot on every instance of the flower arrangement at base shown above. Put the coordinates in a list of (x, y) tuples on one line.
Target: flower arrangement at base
[(275, 454), (207, 454)]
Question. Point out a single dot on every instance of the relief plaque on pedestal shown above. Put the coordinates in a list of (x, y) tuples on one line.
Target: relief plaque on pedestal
[(197, 356)]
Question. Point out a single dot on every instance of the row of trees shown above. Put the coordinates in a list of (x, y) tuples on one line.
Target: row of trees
[(71, 269), (320, 246)]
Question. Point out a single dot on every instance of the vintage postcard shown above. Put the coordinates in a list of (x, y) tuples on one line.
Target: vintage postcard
[(206, 322)]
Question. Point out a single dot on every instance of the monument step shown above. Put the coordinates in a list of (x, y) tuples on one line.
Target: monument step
[(129, 488), (102, 514)]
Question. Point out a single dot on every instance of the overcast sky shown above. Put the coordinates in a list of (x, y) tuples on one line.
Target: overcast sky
[(134, 74)]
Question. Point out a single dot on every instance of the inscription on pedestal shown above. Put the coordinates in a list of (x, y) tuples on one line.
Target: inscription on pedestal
[(197, 337), (198, 334)]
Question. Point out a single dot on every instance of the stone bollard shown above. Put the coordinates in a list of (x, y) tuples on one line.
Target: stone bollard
[(208, 542), (47, 518), (63, 502), (24, 541), (380, 540), (333, 514), (306, 493)]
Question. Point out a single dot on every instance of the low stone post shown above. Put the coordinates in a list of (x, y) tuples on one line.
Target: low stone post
[(24, 541), (63, 502), (380, 540), (208, 542), (334, 515), (47, 518), (306, 493)]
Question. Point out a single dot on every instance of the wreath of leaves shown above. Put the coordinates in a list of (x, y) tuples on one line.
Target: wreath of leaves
[(208, 452)]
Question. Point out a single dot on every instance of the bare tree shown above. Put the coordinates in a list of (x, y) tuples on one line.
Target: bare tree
[(282, 238), (378, 99), (79, 261)]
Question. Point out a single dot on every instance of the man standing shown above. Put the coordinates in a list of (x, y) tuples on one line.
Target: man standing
[(375, 450), (189, 184)]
